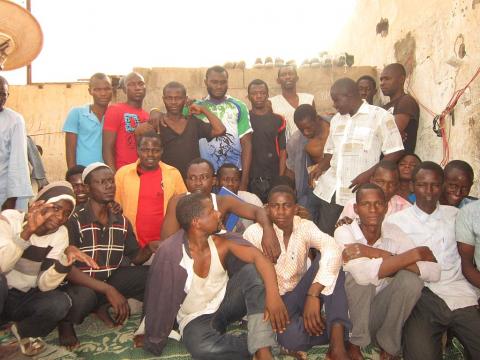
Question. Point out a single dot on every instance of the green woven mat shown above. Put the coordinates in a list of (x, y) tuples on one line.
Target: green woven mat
[(101, 343)]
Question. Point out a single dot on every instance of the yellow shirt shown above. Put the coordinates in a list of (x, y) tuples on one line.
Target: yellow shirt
[(127, 182)]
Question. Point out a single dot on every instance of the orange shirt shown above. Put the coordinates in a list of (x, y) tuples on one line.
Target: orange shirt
[(127, 182)]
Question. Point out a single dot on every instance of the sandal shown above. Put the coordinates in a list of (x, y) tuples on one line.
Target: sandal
[(29, 346)]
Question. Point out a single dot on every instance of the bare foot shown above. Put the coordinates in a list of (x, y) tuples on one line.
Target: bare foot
[(337, 354), (138, 341), (299, 355), (354, 351), (387, 356), (67, 336), (103, 314)]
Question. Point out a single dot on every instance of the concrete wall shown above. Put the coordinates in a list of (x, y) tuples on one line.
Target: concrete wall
[(46, 106), (426, 37)]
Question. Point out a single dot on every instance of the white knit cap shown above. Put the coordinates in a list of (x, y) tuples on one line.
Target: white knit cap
[(91, 167)]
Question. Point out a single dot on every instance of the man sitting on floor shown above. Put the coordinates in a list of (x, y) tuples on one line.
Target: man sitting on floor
[(109, 238), (386, 176), (451, 302), (385, 274), (200, 178), (304, 291), (188, 282), (74, 177), (33, 263)]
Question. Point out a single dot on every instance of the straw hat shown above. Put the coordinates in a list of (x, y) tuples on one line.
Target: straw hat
[(21, 37)]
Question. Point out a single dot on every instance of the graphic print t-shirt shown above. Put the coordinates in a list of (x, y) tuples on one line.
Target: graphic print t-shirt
[(123, 119), (226, 149)]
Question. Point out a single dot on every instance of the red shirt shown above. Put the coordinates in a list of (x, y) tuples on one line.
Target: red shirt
[(123, 120), (150, 206)]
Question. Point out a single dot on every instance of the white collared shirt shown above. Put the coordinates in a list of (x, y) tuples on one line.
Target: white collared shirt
[(437, 231), (292, 262), (356, 143), (394, 240)]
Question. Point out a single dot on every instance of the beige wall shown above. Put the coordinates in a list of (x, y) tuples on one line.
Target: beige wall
[(435, 69), (45, 107)]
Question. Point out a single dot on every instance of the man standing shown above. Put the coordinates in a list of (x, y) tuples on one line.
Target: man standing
[(235, 147), (83, 126), (305, 291), (15, 185), (367, 87), (403, 106), (109, 238), (181, 134), (286, 103), (451, 302), (385, 274), (359, 134), (145, 187), (119, 147), (268, 142)]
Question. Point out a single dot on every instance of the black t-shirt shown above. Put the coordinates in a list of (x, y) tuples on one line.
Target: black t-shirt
[(180, 149), (406, 104), (268, 139)]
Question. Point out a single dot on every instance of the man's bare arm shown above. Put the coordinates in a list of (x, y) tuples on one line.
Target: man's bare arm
[(71, 149), (246, 142), (282, 162), (469, 270), (170, 224), (108, 148)]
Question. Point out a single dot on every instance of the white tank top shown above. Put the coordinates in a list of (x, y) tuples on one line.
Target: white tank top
[(205, 294)]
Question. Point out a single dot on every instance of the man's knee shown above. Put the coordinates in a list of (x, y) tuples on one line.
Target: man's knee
[(409, 283), (249, 275), (84, 301), (59, 303)]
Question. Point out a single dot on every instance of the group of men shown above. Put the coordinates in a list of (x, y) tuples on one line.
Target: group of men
[(337, 234)]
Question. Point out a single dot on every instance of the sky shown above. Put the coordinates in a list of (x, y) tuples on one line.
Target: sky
[(82, 37)]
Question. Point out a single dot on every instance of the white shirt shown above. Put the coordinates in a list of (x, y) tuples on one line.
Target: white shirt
[(14, 170), (292, 262), (394, 240), (281, 106), (356, 143), (437, 231)]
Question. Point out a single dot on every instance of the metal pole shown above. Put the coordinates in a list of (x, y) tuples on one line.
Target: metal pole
[(29, 66)]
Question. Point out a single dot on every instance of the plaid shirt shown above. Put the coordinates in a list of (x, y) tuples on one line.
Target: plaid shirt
[(107, 245)]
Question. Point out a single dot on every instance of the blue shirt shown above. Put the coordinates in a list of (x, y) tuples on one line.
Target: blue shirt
[(84, 123)]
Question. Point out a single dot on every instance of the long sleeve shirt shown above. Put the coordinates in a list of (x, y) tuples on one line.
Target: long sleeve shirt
[(39, 262), (292, 262), (394, 240), (437, 231)]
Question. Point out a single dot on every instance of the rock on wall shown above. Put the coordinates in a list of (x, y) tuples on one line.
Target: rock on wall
[(439, 43), (46, 106)]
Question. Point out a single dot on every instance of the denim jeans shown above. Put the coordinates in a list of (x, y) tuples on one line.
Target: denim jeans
[(205, 337)]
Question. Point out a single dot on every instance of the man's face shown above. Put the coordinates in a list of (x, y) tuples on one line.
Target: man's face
[(61, 210), (456, 187), (209, 220), (390, 82), (79, 188), (406, 166), (101, 91), (258, 96), (282, 208), (367, 90), (200, 178), (174, 100), (135, 88), (3, 95), (342, 102), (427, 186), (229, 178), (371, 207), (308, 127), (287, 77), (217, 84), (149, 153), (387, 180), (102, 185)]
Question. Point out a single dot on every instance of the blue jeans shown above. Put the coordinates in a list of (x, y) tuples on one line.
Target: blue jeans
[(205, 337), (296, 338)]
